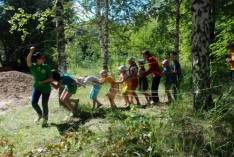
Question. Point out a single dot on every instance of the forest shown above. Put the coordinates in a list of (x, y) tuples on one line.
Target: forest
[(82, 37)]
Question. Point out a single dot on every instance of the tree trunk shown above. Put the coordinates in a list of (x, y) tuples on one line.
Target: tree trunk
[(103, 38), (200, 52), (61, 42), (105, 49), (176, 47), (212, 20)]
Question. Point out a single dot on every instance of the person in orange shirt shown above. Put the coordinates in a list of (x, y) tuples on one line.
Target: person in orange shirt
[(114, 87), (230, 48)]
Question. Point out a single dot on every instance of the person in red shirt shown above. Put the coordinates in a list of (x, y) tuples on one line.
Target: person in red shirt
[(153, 67)]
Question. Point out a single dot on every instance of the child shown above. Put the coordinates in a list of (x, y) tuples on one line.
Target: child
[(176, 73), (230, 48), (114, 87), (127, 84), (42, 76), (95, 89), (70, 89), (167, 72), (143, 82)]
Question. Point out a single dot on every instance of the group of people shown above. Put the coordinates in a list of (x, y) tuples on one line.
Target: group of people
[(131, 77)]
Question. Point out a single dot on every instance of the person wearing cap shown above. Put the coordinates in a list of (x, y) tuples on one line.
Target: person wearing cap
[(132, 72), (168, 83), (176, 73), (42, 76), (123, 78), (153, 66), (143, 81), (114, 87)]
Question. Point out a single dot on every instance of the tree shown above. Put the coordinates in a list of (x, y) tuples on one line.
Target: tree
[(177, 30), (61, 42), (103, 37), (200, 52)]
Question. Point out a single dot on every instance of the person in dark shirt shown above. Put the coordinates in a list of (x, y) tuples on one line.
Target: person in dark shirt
[(176, 71)]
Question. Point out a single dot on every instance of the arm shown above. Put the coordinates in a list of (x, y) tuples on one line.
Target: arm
[(29, 62), (159, 73), (121, 80), (58, 84), (229, 60), (50, 79), (78, 83)]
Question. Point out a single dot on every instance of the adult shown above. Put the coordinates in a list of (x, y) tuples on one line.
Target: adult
[(132, 72), (153, 66), (176, 71), (42, 76)]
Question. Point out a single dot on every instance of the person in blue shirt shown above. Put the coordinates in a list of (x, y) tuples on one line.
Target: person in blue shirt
[(70, 89), (176, 73), (167, 72)]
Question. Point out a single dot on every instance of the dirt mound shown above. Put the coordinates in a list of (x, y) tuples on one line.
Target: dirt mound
[(15, 90)]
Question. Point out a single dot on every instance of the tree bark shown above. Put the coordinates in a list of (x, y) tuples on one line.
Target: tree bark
[(176, 46), (61, 42), (103, 39), (200, 52), (105, 49)]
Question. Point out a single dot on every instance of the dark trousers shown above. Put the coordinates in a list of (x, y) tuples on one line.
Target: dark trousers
[(45, 98), (154, 88), (176, 84)]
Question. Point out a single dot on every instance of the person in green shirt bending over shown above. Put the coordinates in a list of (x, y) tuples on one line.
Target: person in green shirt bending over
[(42, 77)]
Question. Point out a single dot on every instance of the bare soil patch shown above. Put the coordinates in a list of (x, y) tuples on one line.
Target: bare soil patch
[(15, 90)]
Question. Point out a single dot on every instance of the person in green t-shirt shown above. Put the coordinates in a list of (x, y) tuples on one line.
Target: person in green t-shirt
[(42, 76)]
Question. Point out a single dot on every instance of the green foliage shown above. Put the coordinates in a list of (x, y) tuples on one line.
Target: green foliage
[(21, 18)]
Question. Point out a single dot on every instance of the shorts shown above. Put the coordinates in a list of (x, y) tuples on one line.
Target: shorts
[(134, 84), (71, 89), (94, 92), (113, 90), (143, 84), (127, 89), (168, 82)]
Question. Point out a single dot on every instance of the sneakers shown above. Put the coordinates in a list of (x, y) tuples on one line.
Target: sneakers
[(38, 118), (76, 104), (92, 109), (99, 105)]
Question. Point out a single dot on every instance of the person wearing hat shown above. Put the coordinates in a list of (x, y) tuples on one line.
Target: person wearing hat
[(114, 87), (127, 88), (168, 83), (143, 81), (132, 72), (153, 66)]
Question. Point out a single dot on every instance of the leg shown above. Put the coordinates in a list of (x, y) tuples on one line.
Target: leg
[(65, 97), (154, 88), (126, 99), (135, 95), (176, 87), (45, 99), (34, 101), (94, 104), (168, 93)]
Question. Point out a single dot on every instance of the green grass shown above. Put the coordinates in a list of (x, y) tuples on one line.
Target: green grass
[(164, 130)]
